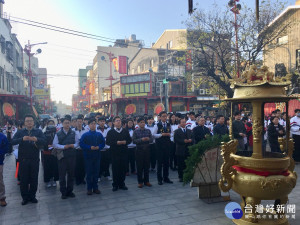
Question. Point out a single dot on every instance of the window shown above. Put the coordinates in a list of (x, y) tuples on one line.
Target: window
[(282, 40), (139, 69), (2, 43), (9, 50), (1, 78), (298, 59), (8, 87), (151, 63), (171, 44), (12, 82)]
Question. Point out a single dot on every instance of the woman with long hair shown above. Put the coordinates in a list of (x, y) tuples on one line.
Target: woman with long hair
[(131, 148), (174, 126)]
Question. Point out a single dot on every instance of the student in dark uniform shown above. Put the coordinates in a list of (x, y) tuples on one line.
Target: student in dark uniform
[(118, 139), (29, 139), (142, 137), (182, 139), (162, 134)]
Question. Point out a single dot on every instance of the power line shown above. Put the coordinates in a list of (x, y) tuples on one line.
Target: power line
[(47, 28), (67, 31), (62, 28)]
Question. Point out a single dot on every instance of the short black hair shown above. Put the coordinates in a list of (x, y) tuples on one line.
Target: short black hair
[(28, 115), (162, 112), (182, 118), (98, 114), (150, 117), (10, 122), (116, 117), (192, 113), (80, 116), (297, 110), (66, 118), (92, 120), (272, 118), (237, 113), (101, 119), (141, 119), (219, 116), (178, 115), (50, 121)]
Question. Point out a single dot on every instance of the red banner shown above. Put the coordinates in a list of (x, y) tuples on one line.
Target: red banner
[(122, 64)]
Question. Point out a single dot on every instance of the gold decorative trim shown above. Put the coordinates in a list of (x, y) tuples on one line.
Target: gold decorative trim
[(227, 171)]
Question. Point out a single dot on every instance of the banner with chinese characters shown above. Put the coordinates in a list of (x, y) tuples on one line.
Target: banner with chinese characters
[(122, 64)]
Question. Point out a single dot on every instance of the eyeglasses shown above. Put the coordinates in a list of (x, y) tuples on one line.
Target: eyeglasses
[(28, 121)]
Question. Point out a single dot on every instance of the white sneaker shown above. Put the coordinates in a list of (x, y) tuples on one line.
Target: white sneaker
[(48, 184), (109, 178), (53, 183)]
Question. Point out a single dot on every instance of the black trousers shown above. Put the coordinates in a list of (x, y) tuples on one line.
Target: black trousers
[(153, 155), (79, 168), (173, 159), (296, 153), (66, 166), (142, 156), (119, 159), (50, 168), (181, 165), (163, 156), (131, 160), (105, 160), (29, 172)]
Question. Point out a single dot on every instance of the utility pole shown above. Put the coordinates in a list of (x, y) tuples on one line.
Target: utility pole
[(235, 8), (27, 50), (166, 89), (110, 78)]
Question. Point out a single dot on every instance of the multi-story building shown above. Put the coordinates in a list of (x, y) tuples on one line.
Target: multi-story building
[(13, 83), (285, 48), (102, 65)]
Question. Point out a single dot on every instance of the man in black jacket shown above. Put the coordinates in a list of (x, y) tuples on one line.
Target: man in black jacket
[(29, 140), (200, 131), (118, 139), (220, 128), (67, 141), (182, 139), (162, 134), (239, 130)]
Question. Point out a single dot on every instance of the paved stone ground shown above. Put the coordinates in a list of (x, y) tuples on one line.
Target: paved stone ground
[(167, 204)]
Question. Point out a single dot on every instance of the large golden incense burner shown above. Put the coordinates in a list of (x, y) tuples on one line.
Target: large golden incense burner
[(263, 175)]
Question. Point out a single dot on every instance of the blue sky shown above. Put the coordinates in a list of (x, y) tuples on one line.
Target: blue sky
[(65, 54)]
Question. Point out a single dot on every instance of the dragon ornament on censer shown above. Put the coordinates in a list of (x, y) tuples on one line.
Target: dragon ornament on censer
[(262, 175)]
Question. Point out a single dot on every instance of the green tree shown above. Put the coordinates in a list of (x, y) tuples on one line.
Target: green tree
[(211, 39)]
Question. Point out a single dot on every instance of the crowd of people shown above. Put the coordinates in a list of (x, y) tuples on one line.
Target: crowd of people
[(86, 149)]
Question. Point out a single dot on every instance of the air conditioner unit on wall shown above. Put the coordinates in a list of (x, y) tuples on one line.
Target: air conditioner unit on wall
[(201, 91)]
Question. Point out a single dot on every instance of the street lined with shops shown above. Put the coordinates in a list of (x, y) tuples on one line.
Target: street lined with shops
[(166, 204)]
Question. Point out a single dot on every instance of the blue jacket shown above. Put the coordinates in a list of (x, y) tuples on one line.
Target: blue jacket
[(3, 147), (89, 139)]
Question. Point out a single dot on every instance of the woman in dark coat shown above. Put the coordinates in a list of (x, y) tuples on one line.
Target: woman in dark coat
[(275, 130)]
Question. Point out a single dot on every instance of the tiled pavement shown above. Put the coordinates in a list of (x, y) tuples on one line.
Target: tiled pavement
[(167, 204)]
